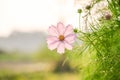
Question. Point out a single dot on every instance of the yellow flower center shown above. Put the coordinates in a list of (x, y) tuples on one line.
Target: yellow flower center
[(61, 37)]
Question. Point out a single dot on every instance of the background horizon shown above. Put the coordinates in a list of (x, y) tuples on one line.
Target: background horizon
[(35, 15)]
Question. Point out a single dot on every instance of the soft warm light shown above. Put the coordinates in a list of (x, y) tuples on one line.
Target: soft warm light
[(34, 15)]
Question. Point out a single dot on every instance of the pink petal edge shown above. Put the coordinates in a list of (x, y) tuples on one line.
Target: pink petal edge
[(51, 39), (53, 45), (67, 45), (60, 28), (53, 31), (61, 48), (70, 38), (68, 30)]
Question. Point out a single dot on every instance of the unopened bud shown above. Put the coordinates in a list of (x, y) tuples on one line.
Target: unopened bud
[(108, 16), (88, 7), (76, 30), (79, 10)]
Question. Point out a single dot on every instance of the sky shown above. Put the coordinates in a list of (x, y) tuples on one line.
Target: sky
[(35, 15)]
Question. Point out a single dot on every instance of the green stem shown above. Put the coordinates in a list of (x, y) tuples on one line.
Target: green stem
[(79, 20), (93, 45)]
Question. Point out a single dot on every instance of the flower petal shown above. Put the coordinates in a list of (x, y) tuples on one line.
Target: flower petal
[(51, 39), (53, 45), (61, 48), (70, 38), (53, 31), (67, 45), (60, 28), (68, 30)]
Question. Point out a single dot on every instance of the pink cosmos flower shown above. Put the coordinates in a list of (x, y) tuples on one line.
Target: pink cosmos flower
[(60, 37)]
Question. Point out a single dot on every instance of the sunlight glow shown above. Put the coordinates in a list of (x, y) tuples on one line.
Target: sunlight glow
[(34, 15)]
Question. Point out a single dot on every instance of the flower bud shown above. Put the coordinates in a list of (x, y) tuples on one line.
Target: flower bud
[(79, 10), (75, 30), (108, 16), (88, 7)]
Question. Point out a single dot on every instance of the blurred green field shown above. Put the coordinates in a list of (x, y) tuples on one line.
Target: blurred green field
[(8, 75), (41, 65)]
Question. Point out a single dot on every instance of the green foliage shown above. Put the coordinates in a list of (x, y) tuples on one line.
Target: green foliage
[(103, 47), (9, 75)]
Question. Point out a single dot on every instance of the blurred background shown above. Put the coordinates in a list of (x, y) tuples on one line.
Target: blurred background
[(23, 30)]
